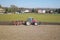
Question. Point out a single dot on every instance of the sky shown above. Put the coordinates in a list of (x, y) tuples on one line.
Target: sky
[(32, 3)]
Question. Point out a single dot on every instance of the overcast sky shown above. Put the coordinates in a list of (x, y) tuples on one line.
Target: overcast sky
[(32, 3)]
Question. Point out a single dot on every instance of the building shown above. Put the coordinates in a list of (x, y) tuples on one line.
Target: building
[(26, 11), (2, 10), (41, 11)]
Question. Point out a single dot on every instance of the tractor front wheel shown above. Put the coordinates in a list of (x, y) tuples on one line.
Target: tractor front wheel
[(28, 23)]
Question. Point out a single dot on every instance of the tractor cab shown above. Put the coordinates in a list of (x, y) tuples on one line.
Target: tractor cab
[(30, 19)]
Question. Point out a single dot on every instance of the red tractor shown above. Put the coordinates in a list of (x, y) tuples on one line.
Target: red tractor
[(32, 21)]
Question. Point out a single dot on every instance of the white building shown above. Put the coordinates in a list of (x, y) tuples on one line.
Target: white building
[(51, 11), (25, 11), (2, 10), (41, 11)]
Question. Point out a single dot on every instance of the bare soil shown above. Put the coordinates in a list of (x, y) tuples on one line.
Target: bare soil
[(22, 32)]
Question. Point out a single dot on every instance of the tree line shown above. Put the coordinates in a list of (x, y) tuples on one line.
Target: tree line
[(14, 8)]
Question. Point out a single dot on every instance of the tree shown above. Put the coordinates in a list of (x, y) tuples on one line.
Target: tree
[(8, 10), (0, 6), (58, 10), (13, 8), (33, 10)]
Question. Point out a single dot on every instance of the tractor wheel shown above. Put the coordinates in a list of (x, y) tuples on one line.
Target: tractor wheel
[(28, 23), (35, 23)]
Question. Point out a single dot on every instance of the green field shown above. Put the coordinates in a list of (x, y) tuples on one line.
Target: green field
[(39, 17)]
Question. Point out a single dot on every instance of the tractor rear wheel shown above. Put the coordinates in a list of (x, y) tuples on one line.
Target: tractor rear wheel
[(35, 23)]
